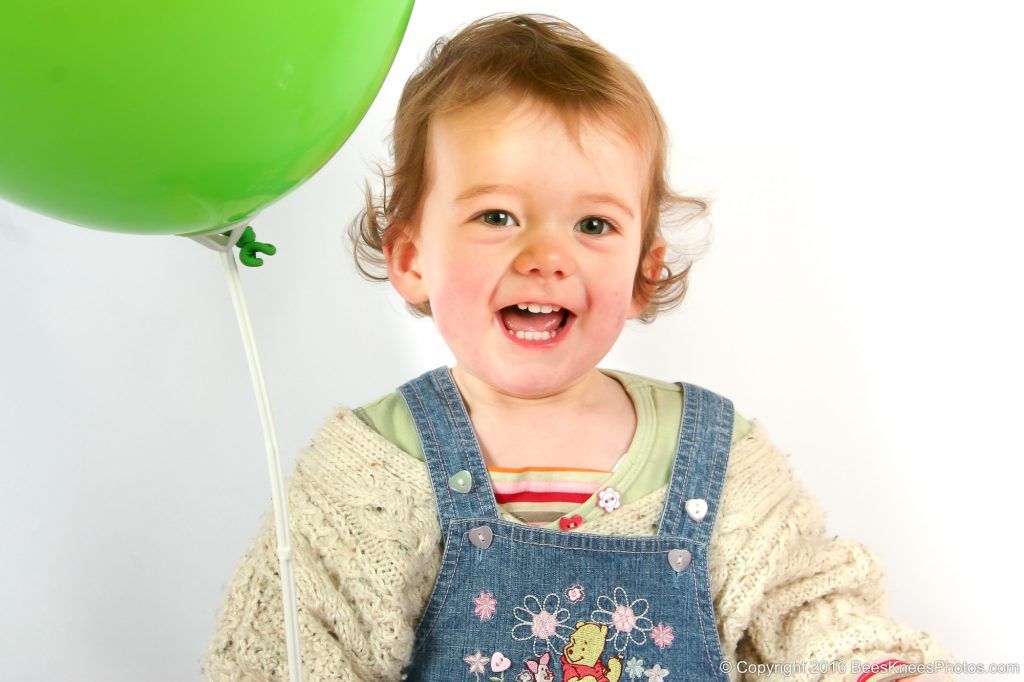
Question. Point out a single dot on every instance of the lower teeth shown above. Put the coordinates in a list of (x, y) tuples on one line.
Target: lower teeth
[(533, 336), (538, 335)]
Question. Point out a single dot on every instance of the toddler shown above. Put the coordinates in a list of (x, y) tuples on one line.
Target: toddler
[(526, 516)]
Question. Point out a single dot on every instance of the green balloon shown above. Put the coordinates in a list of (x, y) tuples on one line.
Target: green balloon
[(182, 117)]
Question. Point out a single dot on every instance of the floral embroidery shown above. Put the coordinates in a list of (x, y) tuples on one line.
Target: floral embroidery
[(635, 667), (657, 673), (476, 662), (485, 605), (540, 622), (546, 623), (575, 593), (662, 635), (609, 499), (624, 618), (628, 618)]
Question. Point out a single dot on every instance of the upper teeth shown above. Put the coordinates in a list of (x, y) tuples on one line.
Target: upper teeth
[(538, 307)]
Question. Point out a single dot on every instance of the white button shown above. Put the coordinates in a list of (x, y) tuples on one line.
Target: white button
[(696, 508), (679, 559), (481, 536), (609, 499)]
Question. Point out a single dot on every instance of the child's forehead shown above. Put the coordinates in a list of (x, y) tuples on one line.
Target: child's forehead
[(505, 115), (502, 136)]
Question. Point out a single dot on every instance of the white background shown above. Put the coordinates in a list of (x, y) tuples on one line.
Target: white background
[(861, 299)]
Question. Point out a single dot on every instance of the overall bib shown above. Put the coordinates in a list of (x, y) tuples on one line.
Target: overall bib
[(518, 603)]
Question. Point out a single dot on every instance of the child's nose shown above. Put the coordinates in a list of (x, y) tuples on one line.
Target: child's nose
[(545, 254)]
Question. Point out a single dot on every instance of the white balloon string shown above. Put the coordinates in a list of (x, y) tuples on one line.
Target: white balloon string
[(278, 494)]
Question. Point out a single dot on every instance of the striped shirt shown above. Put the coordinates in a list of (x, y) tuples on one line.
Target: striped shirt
[(540, 495)]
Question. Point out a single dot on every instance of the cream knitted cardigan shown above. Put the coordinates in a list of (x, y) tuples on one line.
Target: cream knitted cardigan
[(367, 547)]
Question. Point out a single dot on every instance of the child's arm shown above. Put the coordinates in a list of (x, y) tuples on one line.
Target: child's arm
[(365, 561), (789, 593)]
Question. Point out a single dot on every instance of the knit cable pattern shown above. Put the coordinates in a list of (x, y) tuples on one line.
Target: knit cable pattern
[(367, 547)]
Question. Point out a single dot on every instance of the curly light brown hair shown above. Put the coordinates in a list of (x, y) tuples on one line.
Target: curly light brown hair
[(551, 61)]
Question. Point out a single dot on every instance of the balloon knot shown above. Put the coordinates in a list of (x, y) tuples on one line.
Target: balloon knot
[(248, 247)]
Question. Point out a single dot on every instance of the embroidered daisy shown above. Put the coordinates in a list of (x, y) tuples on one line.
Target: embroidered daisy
[(575, 593), (541, 622), (476, 662), (609, 499), (662, 635), (635, 667), (485, 605), (627, 617), (657, 673)]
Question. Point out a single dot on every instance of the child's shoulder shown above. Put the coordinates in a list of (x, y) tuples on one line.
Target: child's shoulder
[(667, 397), (640, 380), (389, 416)]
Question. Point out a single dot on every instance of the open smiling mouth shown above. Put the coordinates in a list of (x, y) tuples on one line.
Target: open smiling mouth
[(523, 325)]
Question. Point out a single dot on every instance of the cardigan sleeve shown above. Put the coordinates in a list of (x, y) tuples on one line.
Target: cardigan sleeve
[(789, 593), (249, 642), (366, 550)]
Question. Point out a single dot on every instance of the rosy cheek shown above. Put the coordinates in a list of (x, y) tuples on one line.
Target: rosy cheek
[(463, 280)]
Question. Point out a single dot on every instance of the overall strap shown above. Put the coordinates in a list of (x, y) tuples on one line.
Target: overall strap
[(705, 440), (458, 475)]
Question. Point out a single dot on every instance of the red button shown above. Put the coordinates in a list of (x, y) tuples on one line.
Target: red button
[(570, 522)]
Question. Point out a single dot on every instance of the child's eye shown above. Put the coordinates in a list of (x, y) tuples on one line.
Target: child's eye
[(496, 218), (593, 222), (592, 225)]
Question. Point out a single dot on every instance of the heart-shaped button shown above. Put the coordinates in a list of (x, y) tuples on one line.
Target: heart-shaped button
[(696, 508), (570, 522), (481, 536), (679, 559), (461, 482), (499, 662)]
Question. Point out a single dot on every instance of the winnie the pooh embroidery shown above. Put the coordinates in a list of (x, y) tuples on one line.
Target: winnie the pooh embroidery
[(581, 657)]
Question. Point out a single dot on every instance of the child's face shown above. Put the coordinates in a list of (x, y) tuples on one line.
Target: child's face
[(537, 238)]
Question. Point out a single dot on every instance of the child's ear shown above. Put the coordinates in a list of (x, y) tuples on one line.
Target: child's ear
[(402, 259), (653, 263)]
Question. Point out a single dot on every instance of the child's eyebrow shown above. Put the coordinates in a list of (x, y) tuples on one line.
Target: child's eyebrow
[(478, 190)]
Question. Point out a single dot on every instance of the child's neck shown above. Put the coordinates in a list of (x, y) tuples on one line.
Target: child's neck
[(589, 424), (579, 395)]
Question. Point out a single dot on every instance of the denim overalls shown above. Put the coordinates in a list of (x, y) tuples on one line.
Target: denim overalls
[(517, 603)]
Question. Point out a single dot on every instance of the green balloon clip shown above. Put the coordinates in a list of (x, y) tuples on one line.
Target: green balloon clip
[(248, 247)]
